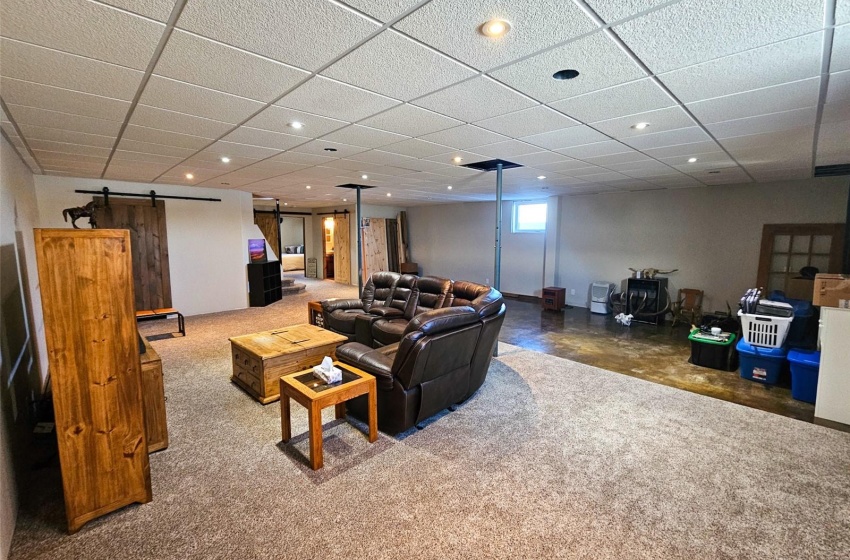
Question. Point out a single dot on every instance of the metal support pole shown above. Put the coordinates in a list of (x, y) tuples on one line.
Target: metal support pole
[(277, 221), (498, 267), (359, 248), (845, 268)]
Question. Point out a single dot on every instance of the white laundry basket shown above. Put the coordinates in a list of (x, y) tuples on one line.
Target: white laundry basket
[(765, 330)]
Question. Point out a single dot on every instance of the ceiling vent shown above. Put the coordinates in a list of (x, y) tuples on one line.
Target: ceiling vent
[(832, 170)]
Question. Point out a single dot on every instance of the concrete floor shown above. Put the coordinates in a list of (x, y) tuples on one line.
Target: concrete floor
[(654, 353)]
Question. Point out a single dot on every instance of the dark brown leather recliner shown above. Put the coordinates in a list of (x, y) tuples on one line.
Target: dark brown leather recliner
[(340, 314), (430, 293), (400, 305), (427, 371)]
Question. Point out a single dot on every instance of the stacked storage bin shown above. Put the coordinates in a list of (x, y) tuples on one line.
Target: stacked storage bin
[(762, 346)]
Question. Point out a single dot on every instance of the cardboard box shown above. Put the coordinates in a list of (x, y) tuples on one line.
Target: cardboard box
[(801, 288), (832, 290)]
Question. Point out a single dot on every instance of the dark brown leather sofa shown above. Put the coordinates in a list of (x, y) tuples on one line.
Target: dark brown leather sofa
[(340, 314), (441, 359)]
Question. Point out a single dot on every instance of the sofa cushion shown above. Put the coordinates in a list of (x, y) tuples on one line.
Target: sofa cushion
[(464, 293), (388, 331), (432, 293)]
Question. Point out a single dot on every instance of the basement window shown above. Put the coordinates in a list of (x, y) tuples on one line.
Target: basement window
[(529, 217)]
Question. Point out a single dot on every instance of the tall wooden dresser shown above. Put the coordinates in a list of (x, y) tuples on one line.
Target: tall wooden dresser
[(86, 279)]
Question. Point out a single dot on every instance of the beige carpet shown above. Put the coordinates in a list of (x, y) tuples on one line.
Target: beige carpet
[(550, 459)]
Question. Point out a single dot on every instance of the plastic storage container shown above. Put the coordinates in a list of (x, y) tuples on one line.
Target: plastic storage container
[(803, 330), (804, 374), (763, 330), (761, 364), (713, 354)]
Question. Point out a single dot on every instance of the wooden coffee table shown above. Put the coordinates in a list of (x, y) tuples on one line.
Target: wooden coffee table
[(259, 359), (314, 394)]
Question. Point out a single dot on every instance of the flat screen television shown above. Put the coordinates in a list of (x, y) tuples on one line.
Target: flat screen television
[(257, 250)]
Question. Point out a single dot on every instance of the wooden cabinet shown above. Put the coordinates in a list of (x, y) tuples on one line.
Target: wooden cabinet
[(264, 283), (86, 279), (153, 394)]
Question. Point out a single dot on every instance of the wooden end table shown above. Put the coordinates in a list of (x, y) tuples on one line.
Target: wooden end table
[(314, 394), (259, 359)]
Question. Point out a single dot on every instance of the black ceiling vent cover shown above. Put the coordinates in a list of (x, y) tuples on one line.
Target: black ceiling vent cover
[(490, 165), (355, 186), (832, 170)]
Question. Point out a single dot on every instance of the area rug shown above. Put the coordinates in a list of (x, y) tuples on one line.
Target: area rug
[(549, 459)]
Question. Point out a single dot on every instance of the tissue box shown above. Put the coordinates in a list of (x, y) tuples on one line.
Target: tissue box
[(334, 376)]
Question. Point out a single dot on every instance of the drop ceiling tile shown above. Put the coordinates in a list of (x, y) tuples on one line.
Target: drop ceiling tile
[(164, 137), (527, 122), (596, 149), (300, 158), (603, 177), (840, 49), (83, 28), (177, 176), (57, 135), (318, 147), (136, 174), (381, 157), (665, 42), (833, 147), (59, 157), (148, 148), (624, 99), (304, 33), (53, 119), (704, 161), (54, 68), (566, 167), (773, 99), (153, 117), (156, 9), (417, 148), (779, 63), (540, 158), (614, 10), (842, 12), (364, 136), (122, 156), (837, 112), (685, 150), (630, 157), (464, 137), (60, 147), (667, 138), (410, 71), (659, 120), (264, 138), (411, 121), (643, 169), (565, 138), (384, 10), (475, 100), (217, 66), (783, 175), (28, 94), (452, 26), (601, 62), (465, 158), (321, 96), (838, 90), (764, 123), (88, 168), (506, 149), (278, 119), (194, 100)]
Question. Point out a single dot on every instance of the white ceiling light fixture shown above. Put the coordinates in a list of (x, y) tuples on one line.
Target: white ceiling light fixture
[(296, 125), (389, 194), (225, 159), (640, 125), (364, 176), (541, 177), (449, 187), (309, 187), (692, 160), (457, 159), (286, 204), (345, 200), (189, 176), (495, 28)]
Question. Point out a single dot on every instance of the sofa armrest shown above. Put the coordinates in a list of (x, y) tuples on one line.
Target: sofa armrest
[(363, 329), (376, 362), (386, 312), (330, 305)]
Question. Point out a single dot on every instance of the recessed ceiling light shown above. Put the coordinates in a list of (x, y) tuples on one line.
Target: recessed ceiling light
[(640, 125), (364, 176), (565, 74), (296, 125), (309, 187), (692, 160), (225, 159), (457, 159), (345, 200), (541, 177), (389, 194), (189, 176), (495, 28), (449, 187), (330, 149), (286, 204)]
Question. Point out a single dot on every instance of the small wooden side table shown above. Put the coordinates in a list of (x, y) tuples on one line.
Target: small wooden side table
[(314, 394), (554, 298)]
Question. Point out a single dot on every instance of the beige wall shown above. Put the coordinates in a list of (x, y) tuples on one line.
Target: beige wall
[(21, 373), (207, 241)]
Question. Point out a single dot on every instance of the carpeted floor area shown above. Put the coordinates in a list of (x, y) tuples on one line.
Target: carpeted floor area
[(550, 459)]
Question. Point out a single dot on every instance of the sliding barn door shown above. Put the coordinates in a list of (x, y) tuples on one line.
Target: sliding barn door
[(270, 227), (342, 249), (149, 244), (374, 235)]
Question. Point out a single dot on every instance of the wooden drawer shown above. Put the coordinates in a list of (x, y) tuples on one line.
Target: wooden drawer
[(248, 362), (248, 380)]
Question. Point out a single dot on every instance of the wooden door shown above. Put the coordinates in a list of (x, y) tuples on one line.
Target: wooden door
[(149, 242), (786, 248), (270, 228), (374, 246), (342, 249)]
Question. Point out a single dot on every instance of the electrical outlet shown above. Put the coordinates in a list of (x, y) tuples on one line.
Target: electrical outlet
[(486, 281), (572, 291)]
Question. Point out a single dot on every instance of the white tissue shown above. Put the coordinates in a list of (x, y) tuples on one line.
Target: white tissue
[(327, 372), (624, 319)]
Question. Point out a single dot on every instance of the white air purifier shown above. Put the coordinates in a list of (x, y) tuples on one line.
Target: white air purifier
[(599, 297)]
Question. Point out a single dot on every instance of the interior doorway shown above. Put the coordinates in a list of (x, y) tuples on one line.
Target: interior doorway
[(788, 248), (336, 249), (148, 244)]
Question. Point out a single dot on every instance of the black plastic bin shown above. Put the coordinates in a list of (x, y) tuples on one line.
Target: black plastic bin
[(714, 354)]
